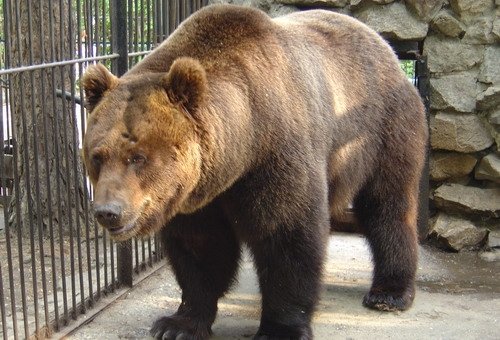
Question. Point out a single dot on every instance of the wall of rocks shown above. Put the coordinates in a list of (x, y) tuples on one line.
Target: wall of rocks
[(461, 41)]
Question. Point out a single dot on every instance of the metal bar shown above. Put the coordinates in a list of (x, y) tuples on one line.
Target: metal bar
[(58, 184), (139, 53), (422, 76), (136, 255), (7, 11), (143, 260), (112, 263), (84, 180), (96, 229), (119, 34), (2, 307), (49, 194), (149, 38), (75, 156), (150, 252), (57, 63), (37, 189), (105, 260), (67, 163), (18, 188)]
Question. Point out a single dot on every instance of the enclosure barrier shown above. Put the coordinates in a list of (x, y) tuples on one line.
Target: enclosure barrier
[(55, 263)]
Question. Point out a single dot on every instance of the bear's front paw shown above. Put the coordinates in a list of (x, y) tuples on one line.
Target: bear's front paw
[(270, 330), (179, 328), (277, 337), (387, 301)]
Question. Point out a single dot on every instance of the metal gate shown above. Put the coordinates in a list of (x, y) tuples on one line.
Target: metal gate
[(55, 264)]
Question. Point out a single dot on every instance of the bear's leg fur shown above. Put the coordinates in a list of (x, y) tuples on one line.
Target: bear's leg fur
[(387, 209), (289, 265), (204, 253)]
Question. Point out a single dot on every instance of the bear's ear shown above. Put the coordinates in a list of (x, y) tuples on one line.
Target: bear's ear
[(186, 83), (96, 81)]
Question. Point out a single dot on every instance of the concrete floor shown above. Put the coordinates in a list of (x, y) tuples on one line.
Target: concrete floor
[(458, 297)]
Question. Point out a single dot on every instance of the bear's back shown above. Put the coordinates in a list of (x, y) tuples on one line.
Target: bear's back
[(209, 35)]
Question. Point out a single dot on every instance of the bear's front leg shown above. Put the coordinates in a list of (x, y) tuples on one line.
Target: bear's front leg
[(204, 255), (289, 265)]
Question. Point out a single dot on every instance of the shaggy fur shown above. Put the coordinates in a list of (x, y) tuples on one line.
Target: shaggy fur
[(244, 129)]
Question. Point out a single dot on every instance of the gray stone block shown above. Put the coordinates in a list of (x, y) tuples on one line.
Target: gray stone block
[(489, 71), (462, 133), (455, 92), (446, 55), (457, 198), (456, 234), (447, 24), (489, 169), (394, 21), (446, 165)]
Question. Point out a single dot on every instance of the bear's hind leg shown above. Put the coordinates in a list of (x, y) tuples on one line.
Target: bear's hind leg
[(204, 253), (387, 213)]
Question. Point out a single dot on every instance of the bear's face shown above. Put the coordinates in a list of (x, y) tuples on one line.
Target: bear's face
[(141, 148)]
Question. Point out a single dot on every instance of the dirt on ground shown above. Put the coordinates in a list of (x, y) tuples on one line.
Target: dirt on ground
[(458, 297)]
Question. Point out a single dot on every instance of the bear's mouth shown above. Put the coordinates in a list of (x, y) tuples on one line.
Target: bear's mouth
[(120, 230)]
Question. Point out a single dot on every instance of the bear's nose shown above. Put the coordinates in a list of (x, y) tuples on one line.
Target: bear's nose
[(108, 215)]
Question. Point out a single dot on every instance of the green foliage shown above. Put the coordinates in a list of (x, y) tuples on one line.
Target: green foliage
[(408, 67)]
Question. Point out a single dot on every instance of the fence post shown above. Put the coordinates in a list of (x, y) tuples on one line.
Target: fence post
[(422, 75), (120, 46)]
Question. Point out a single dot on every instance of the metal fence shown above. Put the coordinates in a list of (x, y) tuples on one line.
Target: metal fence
[(55, 264)]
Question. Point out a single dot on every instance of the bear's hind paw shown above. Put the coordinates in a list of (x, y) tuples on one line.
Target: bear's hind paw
[(387, 302)]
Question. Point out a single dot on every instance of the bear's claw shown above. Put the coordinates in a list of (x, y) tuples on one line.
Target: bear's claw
[(175, 328), (387, 302)]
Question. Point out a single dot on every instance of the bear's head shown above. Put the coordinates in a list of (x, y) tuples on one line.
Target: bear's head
[(142, 146)]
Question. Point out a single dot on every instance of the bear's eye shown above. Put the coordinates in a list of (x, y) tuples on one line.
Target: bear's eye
[(96, 162), (137, 159)]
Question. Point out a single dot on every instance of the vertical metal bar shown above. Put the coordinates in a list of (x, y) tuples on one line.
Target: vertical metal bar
[(112, 263), (143, 260), (49, 190), (95, 30), (422, 76), (149, 38), (105, 259), (75, 157), (142, 26), (28, 189), (90, 42), (119, 33), (3, 182), (2, 305), (67, 163), (37, 187), (136, 29), (7, 11), (84, 180), (136, 253), (150, 252), (53, 57), (158, 19)]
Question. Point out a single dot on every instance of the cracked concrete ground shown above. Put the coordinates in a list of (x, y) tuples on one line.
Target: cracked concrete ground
[(458, 297)]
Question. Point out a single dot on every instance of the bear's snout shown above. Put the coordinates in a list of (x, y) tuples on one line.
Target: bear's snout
[(108, 215)]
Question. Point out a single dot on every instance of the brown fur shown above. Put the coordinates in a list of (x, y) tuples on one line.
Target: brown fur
[(239, 128)]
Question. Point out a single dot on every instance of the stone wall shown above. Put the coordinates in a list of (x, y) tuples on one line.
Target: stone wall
[(461, 43)]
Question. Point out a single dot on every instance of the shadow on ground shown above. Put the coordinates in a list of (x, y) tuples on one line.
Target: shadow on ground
[(458, 297)]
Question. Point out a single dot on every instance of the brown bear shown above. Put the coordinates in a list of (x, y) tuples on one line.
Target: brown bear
[(242, 129)]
